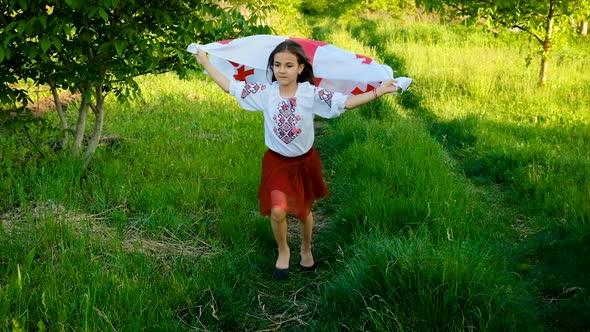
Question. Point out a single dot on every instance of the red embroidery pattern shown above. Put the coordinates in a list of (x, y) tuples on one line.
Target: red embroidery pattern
[(326, 96), (250, 89), (286, 121)]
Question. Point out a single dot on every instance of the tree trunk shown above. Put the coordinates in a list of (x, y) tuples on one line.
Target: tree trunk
[(62, 118), (583, 28), (80, 127), (98, 110), (544, 70), (547, 45)]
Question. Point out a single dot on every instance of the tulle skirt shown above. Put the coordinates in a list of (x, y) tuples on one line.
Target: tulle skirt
[(293, 183)]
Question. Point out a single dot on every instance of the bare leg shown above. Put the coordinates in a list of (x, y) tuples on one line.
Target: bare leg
[(278, 219), (306, 229)]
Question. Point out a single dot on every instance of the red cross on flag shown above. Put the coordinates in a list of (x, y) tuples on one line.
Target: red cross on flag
[(246, 59)]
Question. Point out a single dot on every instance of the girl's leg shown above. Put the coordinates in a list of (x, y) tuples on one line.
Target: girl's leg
[(306, 229), (278, 220)]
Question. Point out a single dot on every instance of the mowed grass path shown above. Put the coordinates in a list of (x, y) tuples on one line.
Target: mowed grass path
[(525, 148)]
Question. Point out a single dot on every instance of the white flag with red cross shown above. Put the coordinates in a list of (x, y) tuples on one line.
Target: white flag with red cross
[(246, 59)]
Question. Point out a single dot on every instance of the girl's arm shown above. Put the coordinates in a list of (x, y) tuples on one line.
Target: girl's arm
[(215, 74), (354, 101)]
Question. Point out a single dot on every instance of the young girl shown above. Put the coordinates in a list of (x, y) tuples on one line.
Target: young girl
[(291, 172)]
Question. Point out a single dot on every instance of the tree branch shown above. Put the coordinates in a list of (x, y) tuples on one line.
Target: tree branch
[(32, 142), (527, 30)]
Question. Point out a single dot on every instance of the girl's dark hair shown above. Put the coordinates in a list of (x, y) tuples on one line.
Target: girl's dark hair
[(296, 49)]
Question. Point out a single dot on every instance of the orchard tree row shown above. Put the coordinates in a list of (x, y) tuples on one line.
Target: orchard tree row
[(541, 19), (96, 48)]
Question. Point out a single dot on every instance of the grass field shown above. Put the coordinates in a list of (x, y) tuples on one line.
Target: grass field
[(461, 204)]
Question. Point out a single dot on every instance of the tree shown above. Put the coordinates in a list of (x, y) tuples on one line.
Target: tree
[(541, 19), (583, 17), (98, 47)]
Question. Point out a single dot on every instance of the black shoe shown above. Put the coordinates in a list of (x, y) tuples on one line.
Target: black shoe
[(280, 274), (309, 268)]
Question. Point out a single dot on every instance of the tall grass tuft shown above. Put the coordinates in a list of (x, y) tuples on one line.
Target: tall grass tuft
[(410, 284), (391, 177)]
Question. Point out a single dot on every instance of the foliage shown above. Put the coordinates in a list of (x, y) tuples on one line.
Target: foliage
[(98, 47), (352, 7), (540, 19), (530, 16), (286, 19)]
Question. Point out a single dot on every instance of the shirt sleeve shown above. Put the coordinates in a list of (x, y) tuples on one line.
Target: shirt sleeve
[(250, 96), (328, 104)]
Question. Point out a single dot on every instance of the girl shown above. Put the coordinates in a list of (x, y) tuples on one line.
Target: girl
[(291, 172)]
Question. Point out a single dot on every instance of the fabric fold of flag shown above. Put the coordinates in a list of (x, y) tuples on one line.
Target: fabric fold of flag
[(336, 69)]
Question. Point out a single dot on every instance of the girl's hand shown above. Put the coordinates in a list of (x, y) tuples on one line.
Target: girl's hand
[(202, 57), (213, 72), (387, 86)]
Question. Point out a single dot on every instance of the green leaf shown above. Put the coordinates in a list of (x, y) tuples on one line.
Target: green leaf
[(34, 26), (21, 27), (103, 14), (92, 12), (1, 53), (7, 54), (11, 26), (45, 44), (43, 21), (56, 42), (105, 48), (73, 3), (32, 52), (120, 47)]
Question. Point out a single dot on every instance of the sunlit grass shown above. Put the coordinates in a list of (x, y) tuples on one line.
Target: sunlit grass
[(460, 204), (480, 98), (393, 284)]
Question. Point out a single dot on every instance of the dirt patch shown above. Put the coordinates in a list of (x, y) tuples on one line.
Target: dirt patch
[(298, 313), (47, 104), (167, 245), (319, 222)]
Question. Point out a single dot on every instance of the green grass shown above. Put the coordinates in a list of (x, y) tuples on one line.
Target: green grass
[(524, 146), (461, 204), (394, 284)]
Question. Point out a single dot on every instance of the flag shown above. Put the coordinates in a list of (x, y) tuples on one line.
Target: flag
[(335, 69)]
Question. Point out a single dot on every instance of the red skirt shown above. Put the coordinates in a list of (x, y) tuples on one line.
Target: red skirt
[(291, 182)]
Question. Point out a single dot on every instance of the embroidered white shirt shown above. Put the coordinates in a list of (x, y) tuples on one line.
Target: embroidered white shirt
[(288, 122)]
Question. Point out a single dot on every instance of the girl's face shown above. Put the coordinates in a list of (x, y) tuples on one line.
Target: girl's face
[(286, 68)]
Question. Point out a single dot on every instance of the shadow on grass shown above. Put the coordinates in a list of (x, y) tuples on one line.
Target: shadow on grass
[(552, 190)]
